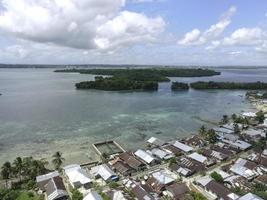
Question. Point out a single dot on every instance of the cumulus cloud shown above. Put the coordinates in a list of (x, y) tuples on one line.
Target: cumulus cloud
[(83, 24), (196, 37), (128, 28), (246, 36)]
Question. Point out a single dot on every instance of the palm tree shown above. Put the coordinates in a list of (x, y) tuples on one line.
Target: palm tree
[(234, 117), (225, 119), (6, 171), (202, 131), (18, 167), (58, 160)]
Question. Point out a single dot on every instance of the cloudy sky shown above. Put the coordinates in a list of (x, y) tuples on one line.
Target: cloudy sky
[(177, 32)]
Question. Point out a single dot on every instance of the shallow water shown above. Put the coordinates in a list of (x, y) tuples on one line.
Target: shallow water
[(41, 112)]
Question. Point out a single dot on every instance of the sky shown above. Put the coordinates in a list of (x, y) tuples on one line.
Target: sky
[(153, 32)]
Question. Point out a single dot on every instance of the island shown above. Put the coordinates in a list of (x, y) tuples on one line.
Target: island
[(146, 74), (117, 84), (176, 86), (201, 85)]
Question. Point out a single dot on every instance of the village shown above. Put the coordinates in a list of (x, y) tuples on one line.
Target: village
[(227, 162)]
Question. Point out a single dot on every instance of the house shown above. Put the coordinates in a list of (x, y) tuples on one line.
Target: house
[(195, 141), (249, 114), (164, 177), (216, 189), (92, 195), (181, 170), (237, 181), (238, 144), (140, 193), (198, 157), (245, 168), (250, 196), (145, 157), (122, 168), (202, 159), (172, 149), (224, 149), (187, 166), (155, 142), (152, 185), (44, 179), (130, 160), (116, 195), (214, 154), (55, 189), (160, 154), (222, 130), (254, 134), (104, 172), (176, 191), (183, 147), (262, 179), (77, 176), (260, 159)]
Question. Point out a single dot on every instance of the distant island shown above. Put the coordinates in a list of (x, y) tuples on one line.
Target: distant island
[(117, 84), (176, 86), (200, 85), (146, 74), (135, 79)]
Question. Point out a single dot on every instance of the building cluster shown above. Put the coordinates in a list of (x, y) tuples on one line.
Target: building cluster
[(228, 169)]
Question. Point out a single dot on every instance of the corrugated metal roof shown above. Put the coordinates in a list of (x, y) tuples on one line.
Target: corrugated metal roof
[(198, 157), (182, 146), (102, 170), (144, 156)]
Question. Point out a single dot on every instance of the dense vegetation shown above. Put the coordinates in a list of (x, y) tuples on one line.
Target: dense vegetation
[(19, 177), (146, 74), (117, 83), (217, 177), (179, 86), (208, 135), (228, 85)]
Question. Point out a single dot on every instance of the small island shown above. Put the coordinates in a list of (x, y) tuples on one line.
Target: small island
[(117, 84), (146, 74), (200, 85), (176, 86), (136, 78)]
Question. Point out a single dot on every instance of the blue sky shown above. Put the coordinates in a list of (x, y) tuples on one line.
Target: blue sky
[(170, 32)]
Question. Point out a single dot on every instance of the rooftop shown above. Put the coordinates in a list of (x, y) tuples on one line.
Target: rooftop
[(102, 170), (182, 146), (144, 156), (198, 157)]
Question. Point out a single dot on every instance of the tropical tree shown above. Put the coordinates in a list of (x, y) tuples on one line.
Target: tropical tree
[(18, 167), (58, 160), (236, 129), (202, 131), (6, 171), (76, 195), (211, 136), (225, 119), (234, 117), (260, 116), (217, 177)]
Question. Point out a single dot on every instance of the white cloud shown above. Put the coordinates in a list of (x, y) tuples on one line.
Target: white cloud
[(214, 44), (128, 28), (77, 24), (195, 37), (246, 36)]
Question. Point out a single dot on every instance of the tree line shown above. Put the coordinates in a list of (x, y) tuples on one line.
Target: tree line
[(21, 174), (117, 84)]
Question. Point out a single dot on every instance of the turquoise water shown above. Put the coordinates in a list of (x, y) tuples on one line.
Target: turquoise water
[(41, 112)]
